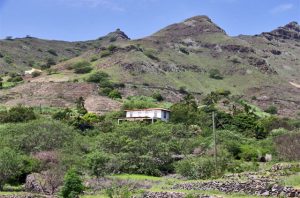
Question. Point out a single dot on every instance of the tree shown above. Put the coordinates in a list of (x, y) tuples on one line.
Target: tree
[(73, 186), (98, 163), (50, 62), (10, 165), (80, 106)]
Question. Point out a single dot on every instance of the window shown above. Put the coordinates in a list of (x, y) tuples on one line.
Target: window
[(130, 114), (155, 114)]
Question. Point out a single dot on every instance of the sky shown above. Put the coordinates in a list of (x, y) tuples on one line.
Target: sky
[(76, 20)]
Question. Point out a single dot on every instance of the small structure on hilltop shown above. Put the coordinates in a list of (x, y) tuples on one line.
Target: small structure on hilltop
[(151, 114)]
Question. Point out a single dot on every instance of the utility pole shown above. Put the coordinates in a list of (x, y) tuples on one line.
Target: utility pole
[(215, 142)]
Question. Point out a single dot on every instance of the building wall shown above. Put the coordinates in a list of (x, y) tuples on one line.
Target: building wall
[(149, 113)]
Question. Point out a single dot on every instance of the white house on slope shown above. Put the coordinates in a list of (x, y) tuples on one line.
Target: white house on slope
[(150, 114)]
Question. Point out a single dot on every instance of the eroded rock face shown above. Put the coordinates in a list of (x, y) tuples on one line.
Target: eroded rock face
[(289, 31)]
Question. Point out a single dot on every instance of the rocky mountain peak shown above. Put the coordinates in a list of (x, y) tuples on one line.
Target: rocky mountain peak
[(190, 28), (290, 31), (118, 35)]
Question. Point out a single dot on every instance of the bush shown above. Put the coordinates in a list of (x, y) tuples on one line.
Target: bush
[(35, 74), (83, 70), (105, 91), (287, 146), (81, 67), (72, 186), (183, 50), (182, 90), (105, 53), (271, 109), (115, 191), (215, 74), (99, 163), (48, 64), (15, 79), (37, 135), (98, 77), (8, 59), (114, 94), (10, 165), (196, 168), (139, 102), (111, 48), (251, 152), (52, 52), (18, 114), (150, 54), (157, 96), (80, 64)]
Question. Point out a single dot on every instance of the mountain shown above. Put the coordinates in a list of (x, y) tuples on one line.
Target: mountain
[(263, 68)]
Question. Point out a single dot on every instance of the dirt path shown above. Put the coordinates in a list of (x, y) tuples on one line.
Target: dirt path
[(295, 84)]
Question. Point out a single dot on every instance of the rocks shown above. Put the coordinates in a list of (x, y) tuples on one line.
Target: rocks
[(23, 196), (163, 195), (172, 195), (238, 49), (261, 187)]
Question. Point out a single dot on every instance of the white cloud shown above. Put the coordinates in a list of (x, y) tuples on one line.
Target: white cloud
[(282, 8), (108, 4)]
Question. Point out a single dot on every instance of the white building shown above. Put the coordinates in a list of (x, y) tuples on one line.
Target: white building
[(151, 114)]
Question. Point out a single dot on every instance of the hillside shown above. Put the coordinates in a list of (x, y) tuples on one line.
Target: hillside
[(263, 68)]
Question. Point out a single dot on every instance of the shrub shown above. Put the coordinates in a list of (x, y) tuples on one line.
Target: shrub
[(196, 168), (271, 109), (105, 91), (37, 135), (183, 50), (105, 53), (18, 114), (116, 191), (182, 90), (52, 52), (48, 64), (10, 165), (35, 74), (150, 54), (251, 152), (72, 186), (15, 79), (215, 74), (115, 94), (112, 39), (94, 58), (83, 70), (98, 77), (98, 163), (157, 96), (111, 48), (139, 102), (80, 64), (8, 59), (287, 146), (81, 67), (62, 115)]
